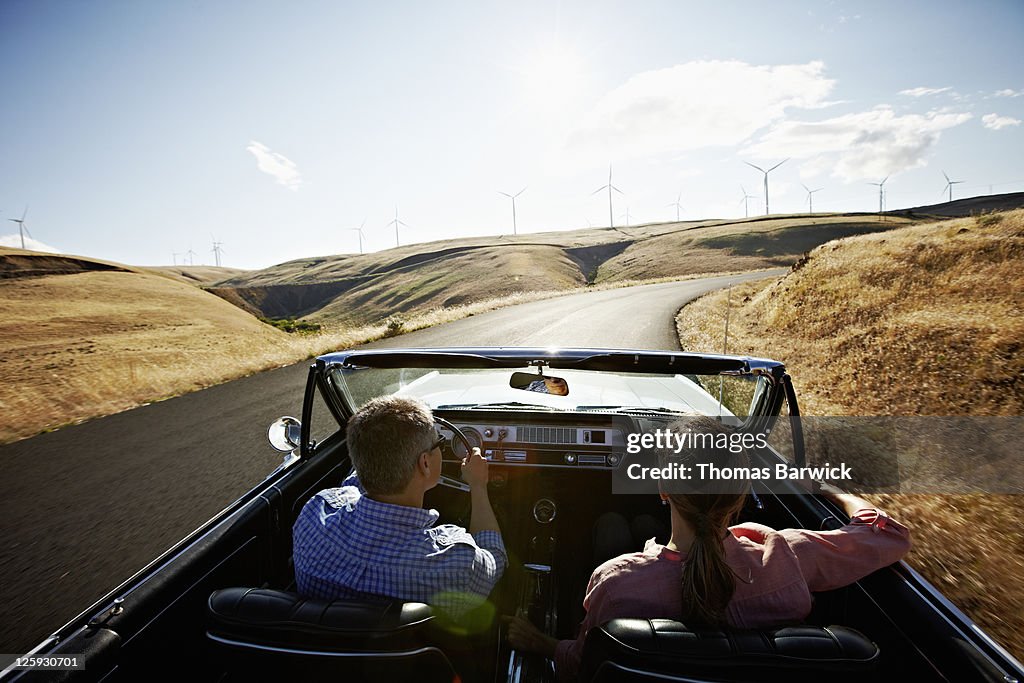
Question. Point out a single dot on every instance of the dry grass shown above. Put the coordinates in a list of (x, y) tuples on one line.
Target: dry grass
[(926, 320), (94, 343)]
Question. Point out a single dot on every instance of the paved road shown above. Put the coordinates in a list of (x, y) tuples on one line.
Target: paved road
[(85, 507)]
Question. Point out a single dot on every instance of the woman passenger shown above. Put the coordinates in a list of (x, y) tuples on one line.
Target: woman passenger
[(744, 576)]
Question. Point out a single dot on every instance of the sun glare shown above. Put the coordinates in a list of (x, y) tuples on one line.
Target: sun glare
[(552, 74)]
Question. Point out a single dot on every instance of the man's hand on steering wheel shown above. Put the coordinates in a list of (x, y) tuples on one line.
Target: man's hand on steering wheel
[(474, 470)]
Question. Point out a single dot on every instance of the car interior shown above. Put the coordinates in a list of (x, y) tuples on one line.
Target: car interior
[(221, 605)]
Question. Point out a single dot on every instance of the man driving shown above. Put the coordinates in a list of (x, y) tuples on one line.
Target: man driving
[(371, 537)]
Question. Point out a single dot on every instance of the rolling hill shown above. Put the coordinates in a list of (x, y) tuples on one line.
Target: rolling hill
[(81, 337), (362, 289), (926, 320)]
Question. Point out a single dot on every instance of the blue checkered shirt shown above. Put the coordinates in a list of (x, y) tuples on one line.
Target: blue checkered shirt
[(347, 545)]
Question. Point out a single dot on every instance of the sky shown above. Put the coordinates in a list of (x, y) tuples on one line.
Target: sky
[(138, 131)]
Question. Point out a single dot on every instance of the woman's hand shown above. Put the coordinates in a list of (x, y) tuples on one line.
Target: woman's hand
[(523, 635)]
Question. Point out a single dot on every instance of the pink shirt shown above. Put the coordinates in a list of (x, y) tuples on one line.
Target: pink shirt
[(777, 572)]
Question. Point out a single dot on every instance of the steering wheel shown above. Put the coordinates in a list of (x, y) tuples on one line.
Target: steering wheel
[(456, 435)]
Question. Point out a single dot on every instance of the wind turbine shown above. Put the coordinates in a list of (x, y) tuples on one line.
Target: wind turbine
[(677, 205), (216, 250), (746, 212), (810, 199), (190, 254), (396, 223), (626, 216), (174, 256), (766, 212), (21, 226), (609, 187), (950, 184), (513, 198), (881, 195), (360, 231)]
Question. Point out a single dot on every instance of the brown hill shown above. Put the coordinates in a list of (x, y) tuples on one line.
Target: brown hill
[(199, 275), (362, 289), (926, 320), (81, 338)]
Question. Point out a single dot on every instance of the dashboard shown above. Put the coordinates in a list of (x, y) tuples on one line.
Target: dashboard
[(560, 441)]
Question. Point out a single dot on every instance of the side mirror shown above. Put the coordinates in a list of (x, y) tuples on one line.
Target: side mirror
[(285, 434)]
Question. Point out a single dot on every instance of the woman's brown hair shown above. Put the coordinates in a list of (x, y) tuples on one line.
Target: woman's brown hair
[(708, 582)]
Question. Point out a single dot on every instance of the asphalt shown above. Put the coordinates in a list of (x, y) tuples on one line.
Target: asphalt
[(85, 507)]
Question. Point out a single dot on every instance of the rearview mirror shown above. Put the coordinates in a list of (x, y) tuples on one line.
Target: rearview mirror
[(285, 434), (541, 384)]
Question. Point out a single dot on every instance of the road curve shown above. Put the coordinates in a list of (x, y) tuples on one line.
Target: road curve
[(631, 317), (86, 506)]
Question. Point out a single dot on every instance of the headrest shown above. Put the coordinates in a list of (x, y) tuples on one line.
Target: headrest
[(663, 646), (272, 617)]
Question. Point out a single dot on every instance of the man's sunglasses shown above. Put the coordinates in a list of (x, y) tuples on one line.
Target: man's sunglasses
[(441, 441)]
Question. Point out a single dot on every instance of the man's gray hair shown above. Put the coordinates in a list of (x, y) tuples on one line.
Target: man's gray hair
[(385, 439)]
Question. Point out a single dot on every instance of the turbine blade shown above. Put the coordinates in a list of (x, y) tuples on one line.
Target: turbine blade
[(757, 167), (617, 190), (520, 192), (777, 165), (603, 187), (945, 176)]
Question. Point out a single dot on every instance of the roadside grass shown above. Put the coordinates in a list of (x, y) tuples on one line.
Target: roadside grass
[(924, 320)]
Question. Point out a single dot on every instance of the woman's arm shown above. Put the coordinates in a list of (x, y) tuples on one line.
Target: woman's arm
[(832, 559)]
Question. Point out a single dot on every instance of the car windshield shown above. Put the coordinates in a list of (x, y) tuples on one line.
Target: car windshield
[(588, 390)]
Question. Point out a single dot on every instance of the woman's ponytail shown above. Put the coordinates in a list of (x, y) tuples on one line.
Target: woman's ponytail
[(708, 582)]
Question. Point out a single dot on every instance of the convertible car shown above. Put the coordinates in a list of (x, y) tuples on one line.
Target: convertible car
[(554, 423)]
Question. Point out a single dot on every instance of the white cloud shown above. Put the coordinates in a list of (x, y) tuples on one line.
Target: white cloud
[(1008, 93), (694, 105), (859, 146), (277, 165), (31, 244), (922, 91), (996, 122)]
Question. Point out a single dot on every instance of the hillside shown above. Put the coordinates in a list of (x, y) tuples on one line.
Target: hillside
[(358, 289), (81, 337), (199, 275), (361, 289), (968, 206), (925, 320)]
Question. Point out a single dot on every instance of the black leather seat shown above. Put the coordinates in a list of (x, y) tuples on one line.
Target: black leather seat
[(265, 634), (665, 650)]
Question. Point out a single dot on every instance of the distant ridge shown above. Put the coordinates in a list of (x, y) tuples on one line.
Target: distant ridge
[(968, 206)]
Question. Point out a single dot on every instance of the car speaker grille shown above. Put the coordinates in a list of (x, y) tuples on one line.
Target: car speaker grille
[(546, 435)]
